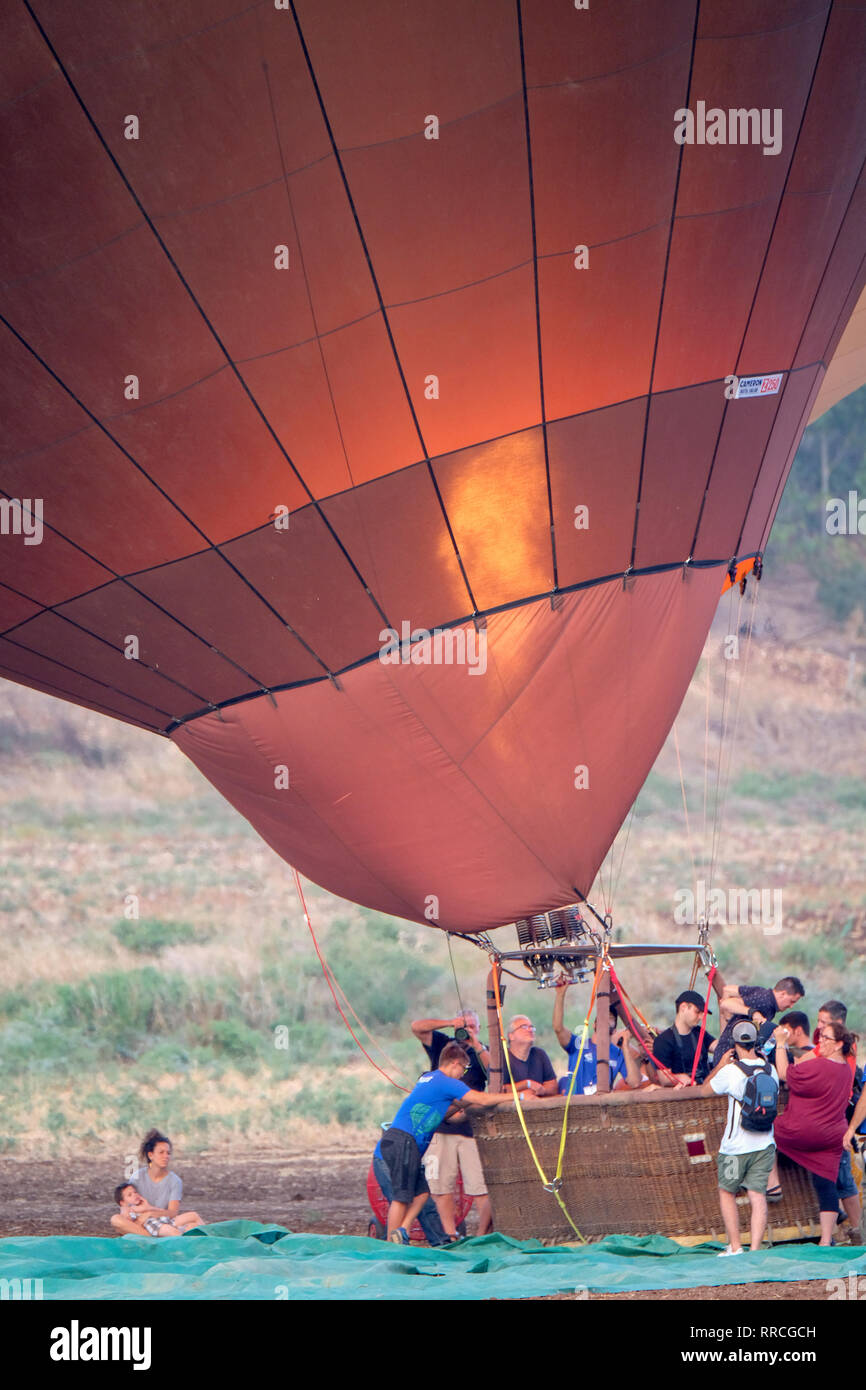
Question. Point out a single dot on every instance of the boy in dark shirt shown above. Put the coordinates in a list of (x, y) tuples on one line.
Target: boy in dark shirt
[(675, 1048)]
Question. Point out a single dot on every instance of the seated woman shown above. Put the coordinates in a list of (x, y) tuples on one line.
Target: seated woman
[(812, 1129), (160, 1188)]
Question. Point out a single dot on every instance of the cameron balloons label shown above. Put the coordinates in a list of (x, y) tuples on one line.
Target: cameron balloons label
[(760, 385)]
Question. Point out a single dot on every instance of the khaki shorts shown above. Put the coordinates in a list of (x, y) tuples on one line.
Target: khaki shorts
[(447, 1153), (750, 1170)]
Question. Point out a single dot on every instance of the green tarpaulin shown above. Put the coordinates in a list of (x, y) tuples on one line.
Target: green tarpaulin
[(245, 1260)]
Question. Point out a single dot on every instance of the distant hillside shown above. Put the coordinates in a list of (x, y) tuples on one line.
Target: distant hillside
[(830, 465)]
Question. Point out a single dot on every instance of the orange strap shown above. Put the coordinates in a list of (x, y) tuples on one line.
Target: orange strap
[(630, 1021), (331, 980)]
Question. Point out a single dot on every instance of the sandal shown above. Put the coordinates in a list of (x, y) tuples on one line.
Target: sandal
[(774, 1194)]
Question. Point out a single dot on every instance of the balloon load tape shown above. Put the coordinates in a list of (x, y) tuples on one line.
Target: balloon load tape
[(557, 943)]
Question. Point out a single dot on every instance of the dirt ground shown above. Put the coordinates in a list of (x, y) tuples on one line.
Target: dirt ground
[(328, 1195)]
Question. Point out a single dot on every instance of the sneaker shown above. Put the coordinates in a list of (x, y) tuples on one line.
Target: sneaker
[(722, 1253), (774, 1194), (400, 1236)]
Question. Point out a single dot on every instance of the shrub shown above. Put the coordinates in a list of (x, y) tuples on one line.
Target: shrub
[(233, 1037), (150, 935), (349, 1100), (124, 1006)]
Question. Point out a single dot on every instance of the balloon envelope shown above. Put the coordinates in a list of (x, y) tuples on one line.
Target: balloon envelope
[(329, 327)]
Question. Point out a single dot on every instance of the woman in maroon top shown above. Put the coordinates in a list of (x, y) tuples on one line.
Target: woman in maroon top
[(813, 1126)]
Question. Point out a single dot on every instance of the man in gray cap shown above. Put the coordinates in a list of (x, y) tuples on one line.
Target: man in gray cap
[(747, 1150), (675, 1048)]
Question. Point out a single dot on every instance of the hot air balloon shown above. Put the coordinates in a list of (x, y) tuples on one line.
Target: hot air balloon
[(389, 391)]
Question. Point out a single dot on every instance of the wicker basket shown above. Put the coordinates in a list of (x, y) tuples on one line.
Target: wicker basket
[(636, 1163)]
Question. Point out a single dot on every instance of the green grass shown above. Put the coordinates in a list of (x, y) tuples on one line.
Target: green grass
[(158, 1020), (783, 788), (658, 794), (150, 935), (778, 784)]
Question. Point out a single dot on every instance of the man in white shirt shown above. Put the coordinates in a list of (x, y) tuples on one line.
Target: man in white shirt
[(746, 1153)]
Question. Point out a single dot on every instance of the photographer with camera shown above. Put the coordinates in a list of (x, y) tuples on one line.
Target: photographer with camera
[(452, 1147)]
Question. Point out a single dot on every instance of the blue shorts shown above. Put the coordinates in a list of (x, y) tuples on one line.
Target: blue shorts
[(845, 1184)]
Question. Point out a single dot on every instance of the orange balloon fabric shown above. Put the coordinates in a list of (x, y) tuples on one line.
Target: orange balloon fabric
[(320, 321)]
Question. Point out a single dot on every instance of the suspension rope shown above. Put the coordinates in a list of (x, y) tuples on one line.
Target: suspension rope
[(685, 806), (628, 1000), (576, 1068), (557, 1181), (700, 1044), (615, 884), (742, 681), (454, 973), (706, 764), (332, 982), (630, 1021), (722, 732), (696, 965)]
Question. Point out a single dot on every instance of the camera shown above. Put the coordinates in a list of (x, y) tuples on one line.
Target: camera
[(461, 1034)]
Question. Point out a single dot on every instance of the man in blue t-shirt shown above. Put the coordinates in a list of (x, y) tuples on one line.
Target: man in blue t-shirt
[(622, 1064), (412, 1128)]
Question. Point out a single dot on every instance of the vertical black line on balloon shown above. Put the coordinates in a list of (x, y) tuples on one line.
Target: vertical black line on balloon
[(794, 369), (537, 294), (217, 339), (382, 308), (171, 502), (755, 292), (649, 394)]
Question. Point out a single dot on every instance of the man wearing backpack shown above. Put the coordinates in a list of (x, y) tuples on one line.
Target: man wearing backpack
[(747, 1151)]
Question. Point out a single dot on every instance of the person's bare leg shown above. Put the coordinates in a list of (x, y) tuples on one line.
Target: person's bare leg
[(758, 1202), (185, 1219), (773, 1179), (828, 1226), (447, 1213), (396, 1216), (485, 1217), (731, 1218), (409, 1214), (853, 1211)]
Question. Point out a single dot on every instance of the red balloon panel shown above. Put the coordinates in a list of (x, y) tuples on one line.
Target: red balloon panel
[(595, 463), (682, 434)]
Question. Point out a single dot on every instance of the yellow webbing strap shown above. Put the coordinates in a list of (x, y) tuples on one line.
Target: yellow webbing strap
[(574, 1072), (549, 1187)]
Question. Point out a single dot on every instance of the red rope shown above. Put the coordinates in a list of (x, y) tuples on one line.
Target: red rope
[(326, 971), (656, 1063), (703, 1024)]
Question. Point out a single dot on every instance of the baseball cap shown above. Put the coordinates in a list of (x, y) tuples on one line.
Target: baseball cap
[(744, 1033), (691, 996)]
